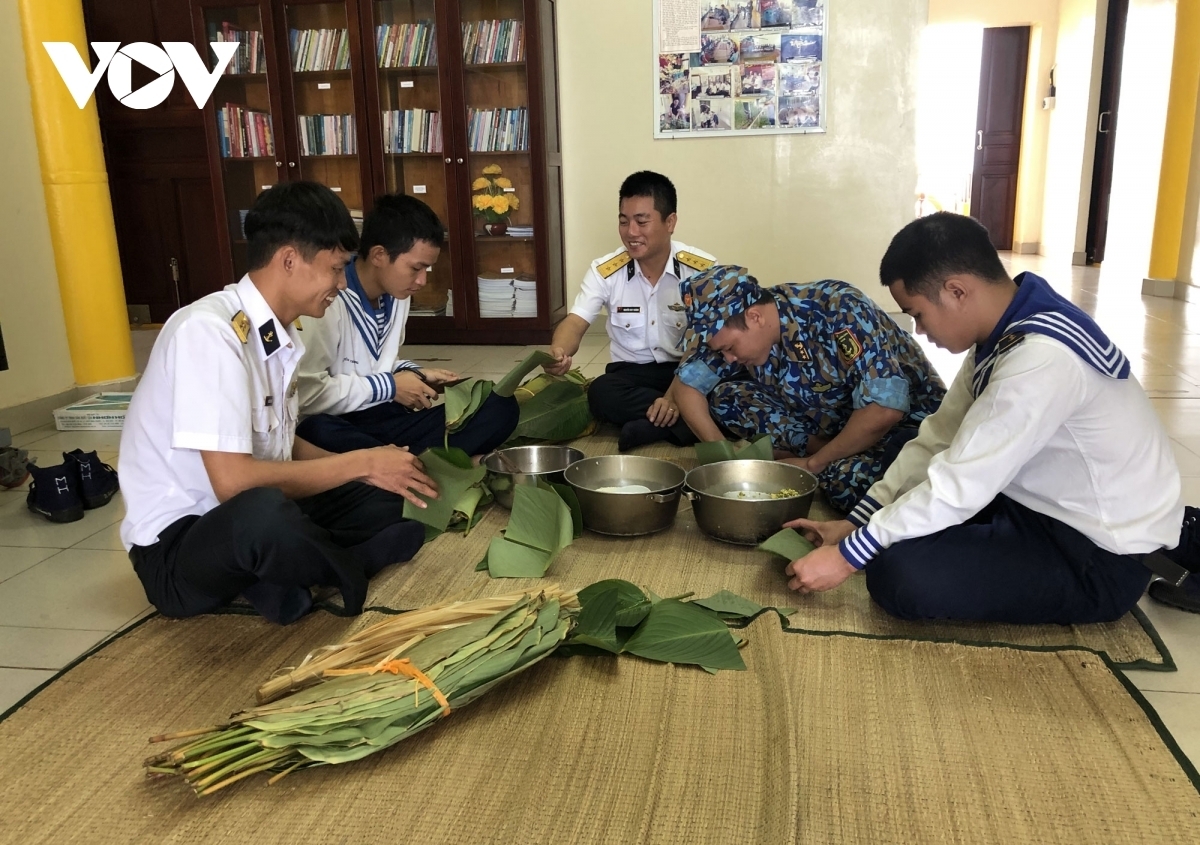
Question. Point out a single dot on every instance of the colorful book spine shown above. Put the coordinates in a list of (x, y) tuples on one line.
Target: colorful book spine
[(243, 133), (498, 130), (319, 49), (493, 42), (406, 45), (328, 134), (412, 131)]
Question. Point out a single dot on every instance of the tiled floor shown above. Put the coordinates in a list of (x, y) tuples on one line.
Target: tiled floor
[(64, 588)]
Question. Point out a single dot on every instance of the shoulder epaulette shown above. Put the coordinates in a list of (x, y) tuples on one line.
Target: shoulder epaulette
[(299, 327), (613, 264), (689, 259), (241, 325)]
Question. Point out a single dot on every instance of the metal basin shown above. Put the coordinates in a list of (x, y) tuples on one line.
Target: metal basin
[(535, 463), (626, 514), (725, 515)]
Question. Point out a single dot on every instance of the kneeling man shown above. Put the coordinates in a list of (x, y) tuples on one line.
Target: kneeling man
[(221, 498), (820, 368)]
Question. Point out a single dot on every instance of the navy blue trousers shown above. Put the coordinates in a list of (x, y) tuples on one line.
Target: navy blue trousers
[(393, 424), (1006, 564)]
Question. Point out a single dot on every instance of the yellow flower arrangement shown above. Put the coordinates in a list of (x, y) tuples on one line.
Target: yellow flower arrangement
[(494, 199)]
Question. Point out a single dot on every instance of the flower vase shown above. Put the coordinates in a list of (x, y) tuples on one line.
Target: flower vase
[(495, 229)]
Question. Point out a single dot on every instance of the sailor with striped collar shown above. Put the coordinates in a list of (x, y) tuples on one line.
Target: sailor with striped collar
[(356, 391), (1039, 487)]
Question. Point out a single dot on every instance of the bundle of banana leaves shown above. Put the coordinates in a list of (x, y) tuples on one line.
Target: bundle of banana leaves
[(352, 699)]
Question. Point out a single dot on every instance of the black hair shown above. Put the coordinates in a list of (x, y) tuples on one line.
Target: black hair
[(738, 321), (397, 222), (305, 215), (647, 183), (931, 249)]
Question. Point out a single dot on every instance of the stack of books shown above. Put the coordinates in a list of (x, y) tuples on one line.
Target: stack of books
[(497, 297), (244, 133), (319, 49), (498, 130), (520, 231), (327, 134), (406, 44), (525, 302), (412, 131), (493, 42), (426, 311), (356, 214), (251, 57)]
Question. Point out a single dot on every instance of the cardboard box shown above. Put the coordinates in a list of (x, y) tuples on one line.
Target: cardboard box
[(99, 412)]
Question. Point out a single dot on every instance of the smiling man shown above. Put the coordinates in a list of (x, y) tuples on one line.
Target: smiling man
[(356, 391), (1041, 486), (639, 287), (831, 378), (221, 498)]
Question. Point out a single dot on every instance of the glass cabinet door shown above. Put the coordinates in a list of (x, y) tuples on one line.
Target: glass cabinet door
[(323, 90), (411, 106), (499, 167), (246, 131)]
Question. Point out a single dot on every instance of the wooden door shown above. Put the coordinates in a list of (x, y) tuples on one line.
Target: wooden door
[(157, 166), (998, 131), (1106, 130)]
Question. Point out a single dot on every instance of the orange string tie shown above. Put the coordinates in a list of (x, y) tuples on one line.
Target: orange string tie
[(403, 667)]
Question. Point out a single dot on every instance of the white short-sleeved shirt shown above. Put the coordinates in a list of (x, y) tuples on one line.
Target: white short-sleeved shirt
[(206, 389), (645, 322)]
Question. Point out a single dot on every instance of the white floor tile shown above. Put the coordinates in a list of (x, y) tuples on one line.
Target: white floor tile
[(45, 648), (88, 441), (15, 684), (14, 561), (33, 435), (1180, 712), (79, 589), (106, 539), (1180, 631), (1188, 460), (20, 526)]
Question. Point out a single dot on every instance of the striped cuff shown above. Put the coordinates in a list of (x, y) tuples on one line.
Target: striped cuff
[(401, 366), (383, 387), (863, 511), (859, 548)]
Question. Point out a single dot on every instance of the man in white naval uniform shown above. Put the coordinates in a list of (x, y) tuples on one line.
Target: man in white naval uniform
[(639, 286), (221, 498), (356, 391), (1042, 485)]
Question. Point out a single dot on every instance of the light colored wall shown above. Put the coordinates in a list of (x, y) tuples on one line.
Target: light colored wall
[(31, 314), (1072, 143), (1189, 250), (1141, 130), (1042, 18), (789, 207)]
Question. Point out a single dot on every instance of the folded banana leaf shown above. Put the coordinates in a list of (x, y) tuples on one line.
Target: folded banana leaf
[(455, 475), (557, 412), (787, 543), (463, 400), (541, 525), (508, 385), (758, 449)]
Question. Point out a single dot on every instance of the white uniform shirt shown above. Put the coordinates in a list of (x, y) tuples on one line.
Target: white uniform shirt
[(206, 390), (645, 322), (351, 353), (1048, 431)]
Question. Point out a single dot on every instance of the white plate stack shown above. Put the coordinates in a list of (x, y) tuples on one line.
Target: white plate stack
[(497, 297), (520, 231), (526, 297)]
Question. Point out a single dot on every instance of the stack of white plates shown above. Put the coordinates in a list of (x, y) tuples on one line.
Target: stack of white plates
[(526, 297), (497, 298), (520, 231)]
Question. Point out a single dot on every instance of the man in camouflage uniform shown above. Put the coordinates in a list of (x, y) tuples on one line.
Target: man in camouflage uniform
[(837, 385)]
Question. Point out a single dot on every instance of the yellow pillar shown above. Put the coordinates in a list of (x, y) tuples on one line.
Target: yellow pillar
[(77, 200), (1177, 145)]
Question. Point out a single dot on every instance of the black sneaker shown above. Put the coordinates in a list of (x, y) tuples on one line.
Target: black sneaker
[(1185, 596), (52, 493), (95, 481), (1187, 553)]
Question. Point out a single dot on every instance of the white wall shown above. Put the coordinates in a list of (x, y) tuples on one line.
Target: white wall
[(789, 207), (35, 336), (1072, 143), (1189, 251)]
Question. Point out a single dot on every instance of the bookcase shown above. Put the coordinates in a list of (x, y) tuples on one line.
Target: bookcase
[(452, 101)]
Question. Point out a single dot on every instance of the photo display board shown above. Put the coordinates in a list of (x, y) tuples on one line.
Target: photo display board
[(724, 67)]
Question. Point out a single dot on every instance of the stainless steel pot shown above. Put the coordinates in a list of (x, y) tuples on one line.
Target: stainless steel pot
[(747, 520), (510, 468), (626, 514)]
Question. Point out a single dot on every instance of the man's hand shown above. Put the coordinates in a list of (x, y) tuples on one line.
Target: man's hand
[(438, 377), (412, 392), (808, 463), (819, 570), (663, 412), (399, 471), (562, 362), (823, 533)]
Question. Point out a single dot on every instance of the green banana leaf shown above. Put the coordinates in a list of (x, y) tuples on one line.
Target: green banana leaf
[(567, 493), (539, 528), (758, 449), (463, 400), (729, 605), (596, 625), (508, 385), (680, 632), (787, 543), (559, 412), (454, 474)]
